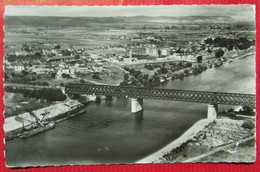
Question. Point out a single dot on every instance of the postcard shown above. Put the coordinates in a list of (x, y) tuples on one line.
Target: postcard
[(129, 84)]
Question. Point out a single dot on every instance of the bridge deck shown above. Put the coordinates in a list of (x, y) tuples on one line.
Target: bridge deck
[(163, 94)]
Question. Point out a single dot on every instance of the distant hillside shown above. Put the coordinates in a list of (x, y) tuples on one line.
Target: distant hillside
[(62, 21), (185, 19), (84, 21)]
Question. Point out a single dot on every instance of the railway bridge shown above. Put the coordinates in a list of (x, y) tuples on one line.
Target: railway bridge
[(138, 94)]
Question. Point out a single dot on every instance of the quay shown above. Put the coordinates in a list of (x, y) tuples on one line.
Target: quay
[(15, 125)]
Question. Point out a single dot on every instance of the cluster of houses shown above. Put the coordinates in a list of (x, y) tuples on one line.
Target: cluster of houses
[(89, 60)]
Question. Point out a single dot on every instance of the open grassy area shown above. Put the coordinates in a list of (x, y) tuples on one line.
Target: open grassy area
[(224, 140), (243, 153), (15, 104)]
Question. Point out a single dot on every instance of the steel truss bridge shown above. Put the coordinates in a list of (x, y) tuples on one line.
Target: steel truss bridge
[(163, 94)]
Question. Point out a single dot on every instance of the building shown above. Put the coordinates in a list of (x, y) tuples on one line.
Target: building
[(60, 59), (19, 68), (69, 71), (165, 52), (151, 50)]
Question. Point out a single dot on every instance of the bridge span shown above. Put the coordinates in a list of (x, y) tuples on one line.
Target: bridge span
[(137, 95)]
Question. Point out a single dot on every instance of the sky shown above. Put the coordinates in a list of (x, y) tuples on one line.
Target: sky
[(239, 12)]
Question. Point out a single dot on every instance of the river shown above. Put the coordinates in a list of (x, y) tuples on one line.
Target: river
[(109, 133)]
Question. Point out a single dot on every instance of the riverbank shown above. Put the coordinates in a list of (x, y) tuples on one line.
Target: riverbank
[(153, 75), (240, 57), (190, 133), (206, 138)]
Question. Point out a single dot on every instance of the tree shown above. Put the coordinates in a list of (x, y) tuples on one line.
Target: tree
[(126, 77), (53, 75), (186, 71), (247, 109), (65, 52), (124, 83), (159, 52), (163, 70), (156, 78), (221, 42), (146, 77), (179, 64), (77, 56), (248, 124), (243, 43), (57, 46), (38, 55), (219, 53), (208, 41), (126, 68), (45, 83), (148, 66), (188, 64), (82, 81), (179, 51), (25, 72), (199, 59), (64, 75), (141, 78), (134, 82), (96, 76)]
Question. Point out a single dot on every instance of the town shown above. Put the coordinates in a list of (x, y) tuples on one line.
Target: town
[(146, 56), (43, 55)]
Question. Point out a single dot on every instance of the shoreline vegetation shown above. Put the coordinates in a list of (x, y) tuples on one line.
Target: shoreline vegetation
[(152, 75)]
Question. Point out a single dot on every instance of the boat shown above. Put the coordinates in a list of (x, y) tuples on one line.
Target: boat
[(70, 116), (37, 130), (80, 112)]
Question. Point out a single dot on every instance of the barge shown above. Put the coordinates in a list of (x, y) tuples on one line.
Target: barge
[(37, 130)]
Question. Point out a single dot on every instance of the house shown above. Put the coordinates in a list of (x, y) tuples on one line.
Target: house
[(19, 68), (70, 71), (21, 53)]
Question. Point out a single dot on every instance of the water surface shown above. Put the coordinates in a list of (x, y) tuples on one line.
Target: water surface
[(110, 133)]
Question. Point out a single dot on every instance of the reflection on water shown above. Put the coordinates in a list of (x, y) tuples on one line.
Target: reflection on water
[(110, 133)]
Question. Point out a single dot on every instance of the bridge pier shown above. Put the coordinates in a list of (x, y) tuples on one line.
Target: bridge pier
[(98, 100), (136, 105), (212, 111), (109, 98), (73, 96)]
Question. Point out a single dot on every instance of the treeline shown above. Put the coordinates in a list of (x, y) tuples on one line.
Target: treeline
[(13, 57), (173, 66), (139, 79), (229, 43), (162, 72), (23, 79), (20, 81), (49, 94), (245, 110)]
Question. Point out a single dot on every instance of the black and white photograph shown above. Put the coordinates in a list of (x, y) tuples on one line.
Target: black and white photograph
[(129, 84)]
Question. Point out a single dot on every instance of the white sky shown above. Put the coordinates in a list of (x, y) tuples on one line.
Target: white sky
[(240, 12)]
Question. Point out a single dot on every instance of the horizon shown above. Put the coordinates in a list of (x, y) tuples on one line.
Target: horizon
[(236, 12)]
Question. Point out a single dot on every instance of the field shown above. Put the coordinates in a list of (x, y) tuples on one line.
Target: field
[(89, 33)]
